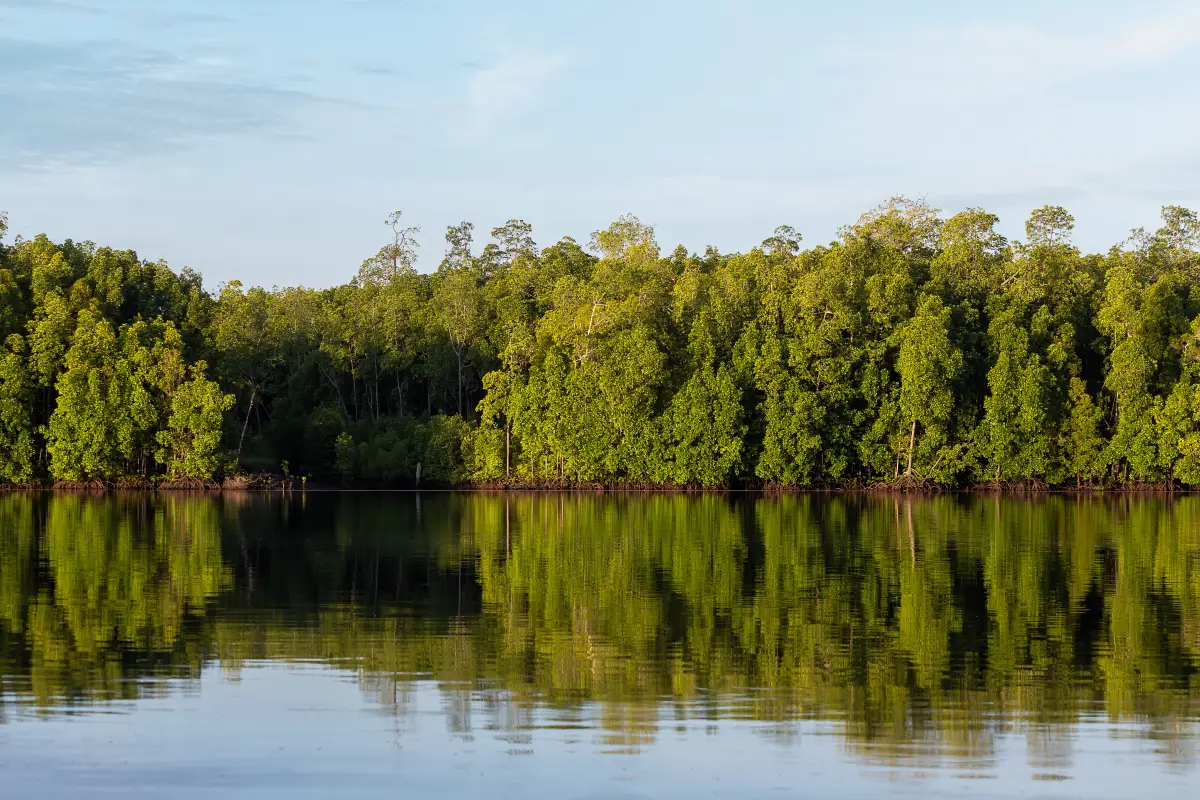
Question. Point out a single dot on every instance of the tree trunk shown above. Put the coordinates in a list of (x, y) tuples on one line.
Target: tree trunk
[(912, 441), (458, 353), (242, 438), (507, 448), (329, 376)]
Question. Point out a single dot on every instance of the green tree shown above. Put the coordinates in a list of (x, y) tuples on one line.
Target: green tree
[(1082, 444), (459, 311), (928, 364), (16, 413), (242, 336), (190, 443), (393, 259), (110, 398)]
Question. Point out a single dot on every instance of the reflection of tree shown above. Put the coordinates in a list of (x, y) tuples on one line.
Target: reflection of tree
[(18, 579), (927, 627), (119, 578)]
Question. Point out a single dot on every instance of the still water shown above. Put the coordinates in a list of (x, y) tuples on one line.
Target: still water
[(582, 646)]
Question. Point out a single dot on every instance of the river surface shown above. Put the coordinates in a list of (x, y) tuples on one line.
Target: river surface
[(597, 646)]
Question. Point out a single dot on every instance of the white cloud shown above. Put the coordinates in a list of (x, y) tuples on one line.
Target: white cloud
[(1055, 54), (1157, 39), (1005, 111), (984, 63), (514, 85)]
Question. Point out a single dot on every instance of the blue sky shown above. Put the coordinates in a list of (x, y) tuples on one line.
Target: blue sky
[(267, 139)]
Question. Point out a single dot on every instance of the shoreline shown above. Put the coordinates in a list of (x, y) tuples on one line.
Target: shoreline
[(280, 485)]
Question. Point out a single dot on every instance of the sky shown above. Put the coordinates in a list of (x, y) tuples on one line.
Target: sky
[(267, 140)]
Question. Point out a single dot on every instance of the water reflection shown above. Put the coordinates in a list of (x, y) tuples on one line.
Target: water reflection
[(95, 592), (922, 632)]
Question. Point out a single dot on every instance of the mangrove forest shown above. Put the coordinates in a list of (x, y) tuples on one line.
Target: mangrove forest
[(914, 350)]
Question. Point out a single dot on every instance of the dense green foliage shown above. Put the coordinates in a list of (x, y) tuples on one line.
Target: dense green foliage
[(923, 627), (912, 350)]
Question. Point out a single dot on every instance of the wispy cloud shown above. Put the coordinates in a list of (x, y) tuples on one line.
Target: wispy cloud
[(56, 5), (178, 19), (94, 102), (999, 111), (500, 93), (978, 63), (708, 196), (1054, 55)]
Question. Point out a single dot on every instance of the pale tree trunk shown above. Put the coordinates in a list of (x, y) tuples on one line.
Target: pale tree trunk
[(912, 441), (242, 438), (329, 376), (507, 448), (458, 353)]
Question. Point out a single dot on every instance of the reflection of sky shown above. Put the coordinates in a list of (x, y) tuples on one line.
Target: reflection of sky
[(271, 730), (267, 140)]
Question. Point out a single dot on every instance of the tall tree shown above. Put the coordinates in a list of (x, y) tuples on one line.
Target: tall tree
[(189, 444), (928, 364), (16, 413), (242, 336), (459, 312)]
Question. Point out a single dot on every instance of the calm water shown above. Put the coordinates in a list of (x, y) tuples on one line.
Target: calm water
[(598, 646)]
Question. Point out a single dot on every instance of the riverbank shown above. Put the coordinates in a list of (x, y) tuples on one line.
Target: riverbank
[(266, 482)]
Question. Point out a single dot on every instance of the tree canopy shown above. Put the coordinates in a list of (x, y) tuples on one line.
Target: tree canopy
[(912, 350)]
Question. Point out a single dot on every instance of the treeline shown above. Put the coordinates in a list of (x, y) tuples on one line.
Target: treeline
[(912, 350)]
